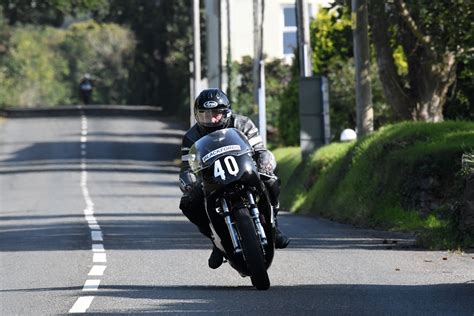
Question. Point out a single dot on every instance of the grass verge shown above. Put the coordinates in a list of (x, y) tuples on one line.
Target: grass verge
[(404, 177)]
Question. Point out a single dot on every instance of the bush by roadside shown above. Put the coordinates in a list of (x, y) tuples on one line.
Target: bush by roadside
[(42, 66), (405, 177)]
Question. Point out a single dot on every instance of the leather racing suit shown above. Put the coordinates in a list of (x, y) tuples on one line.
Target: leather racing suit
[(192, 201)]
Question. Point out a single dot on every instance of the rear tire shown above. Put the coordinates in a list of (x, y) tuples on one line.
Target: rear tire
[(251, 249)]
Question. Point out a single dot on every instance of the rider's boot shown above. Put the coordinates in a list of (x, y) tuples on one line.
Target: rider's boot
[(216, 258), (281, 240)]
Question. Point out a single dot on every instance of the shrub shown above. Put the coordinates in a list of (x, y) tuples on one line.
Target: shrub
[(277, 79), (103, 50), (42, 66), (406, 176), (33, 69)]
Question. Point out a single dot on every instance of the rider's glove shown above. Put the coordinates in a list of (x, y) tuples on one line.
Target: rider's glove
[(266, 162)]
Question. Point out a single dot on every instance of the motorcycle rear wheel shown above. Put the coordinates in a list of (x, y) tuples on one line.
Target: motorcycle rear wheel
[(251, 249)]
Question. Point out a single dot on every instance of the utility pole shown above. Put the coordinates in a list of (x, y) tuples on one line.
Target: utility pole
[(258, 72), (364, 111), (313, 91), (196, 58), (304, 48), (228, 62)]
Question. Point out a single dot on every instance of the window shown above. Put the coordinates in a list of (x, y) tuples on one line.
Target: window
[(290, 38), (289, 30)]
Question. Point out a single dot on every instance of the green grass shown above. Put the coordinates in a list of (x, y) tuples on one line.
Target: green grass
[(403, 177), (288, 159)]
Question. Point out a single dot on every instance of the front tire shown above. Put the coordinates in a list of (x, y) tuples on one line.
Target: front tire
[(251, 249)]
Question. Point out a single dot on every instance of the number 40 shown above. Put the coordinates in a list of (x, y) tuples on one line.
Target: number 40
[(230, 164)]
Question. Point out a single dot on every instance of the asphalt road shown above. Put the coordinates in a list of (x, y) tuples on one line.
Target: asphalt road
[(71, 182)]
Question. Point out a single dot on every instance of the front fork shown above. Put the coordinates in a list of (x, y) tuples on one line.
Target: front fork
[(256, 219), (231, 225)]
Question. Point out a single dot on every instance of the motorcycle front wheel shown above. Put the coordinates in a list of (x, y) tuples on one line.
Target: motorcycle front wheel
[(251, 248)]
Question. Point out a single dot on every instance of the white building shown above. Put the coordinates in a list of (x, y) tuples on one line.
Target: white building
[(231, 21)]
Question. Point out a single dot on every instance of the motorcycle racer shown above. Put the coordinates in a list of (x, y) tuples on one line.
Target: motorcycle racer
[(212, 111)]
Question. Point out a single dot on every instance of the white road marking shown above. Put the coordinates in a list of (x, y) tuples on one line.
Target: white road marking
[(98, 248), (99, 257), (82, 304), (88, 211), (91, 285), (96, 235), (97, 270)]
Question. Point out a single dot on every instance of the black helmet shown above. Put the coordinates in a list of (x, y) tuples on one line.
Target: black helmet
[(212, 109)]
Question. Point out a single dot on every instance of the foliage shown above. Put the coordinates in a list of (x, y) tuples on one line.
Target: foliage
[(43, 65), (160, 73), (435, 36), (242, 102), (33, 69), (460, 103), (277, 79), (48, 12), (289, 120), (448, 23), (331, 40), (342, 98), (405, 177), (103, 50)]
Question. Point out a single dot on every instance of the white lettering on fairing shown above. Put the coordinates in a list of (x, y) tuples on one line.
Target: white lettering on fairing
[(219, 151)]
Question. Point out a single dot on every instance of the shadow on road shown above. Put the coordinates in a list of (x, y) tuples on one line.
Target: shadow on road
[(330, 299), (137, 152), (126, 231), (167, 134), (102, 156), (170, 230)]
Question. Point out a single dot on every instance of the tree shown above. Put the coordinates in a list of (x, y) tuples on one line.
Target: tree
[(331, 38), (434, 36), (42, 66), (332, 45), (48, 12), (163, 30)]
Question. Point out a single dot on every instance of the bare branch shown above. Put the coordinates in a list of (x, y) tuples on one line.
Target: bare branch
[(405, 14)]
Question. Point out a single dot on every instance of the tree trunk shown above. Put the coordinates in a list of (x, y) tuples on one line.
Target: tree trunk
[(395, 94), (432, 82), (422, 94)]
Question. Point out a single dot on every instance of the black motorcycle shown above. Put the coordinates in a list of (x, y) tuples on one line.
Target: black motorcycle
[(237, 204), (85, 91)]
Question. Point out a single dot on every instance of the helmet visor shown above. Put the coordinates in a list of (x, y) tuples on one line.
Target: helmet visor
[(212, 117)]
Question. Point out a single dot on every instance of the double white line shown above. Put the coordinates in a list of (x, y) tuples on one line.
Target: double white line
[(99, 258)]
